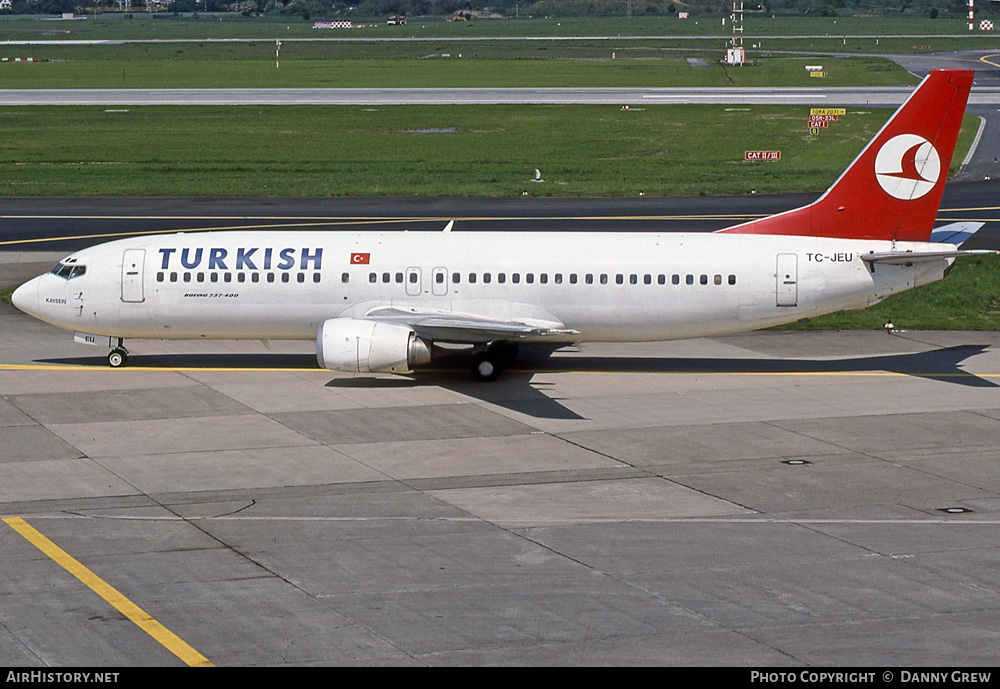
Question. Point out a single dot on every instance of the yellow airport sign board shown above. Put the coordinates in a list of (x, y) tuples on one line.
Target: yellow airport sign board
[(828, 111)]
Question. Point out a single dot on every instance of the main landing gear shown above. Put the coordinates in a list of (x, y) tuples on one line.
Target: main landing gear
[(488, 363), (118, 356)]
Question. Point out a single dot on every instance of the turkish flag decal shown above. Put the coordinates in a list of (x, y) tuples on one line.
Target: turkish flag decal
[(360, 259)]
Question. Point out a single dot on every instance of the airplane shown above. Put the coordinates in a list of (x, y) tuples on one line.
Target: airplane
[(387, 301)]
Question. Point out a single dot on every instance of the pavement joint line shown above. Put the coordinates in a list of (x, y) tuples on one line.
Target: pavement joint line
[(749, 520), (116, 599)]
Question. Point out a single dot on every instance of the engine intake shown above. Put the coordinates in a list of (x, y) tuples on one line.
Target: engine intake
[(358, 346)]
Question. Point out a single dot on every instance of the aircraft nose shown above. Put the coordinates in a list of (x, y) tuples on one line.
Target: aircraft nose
[(25, 297)]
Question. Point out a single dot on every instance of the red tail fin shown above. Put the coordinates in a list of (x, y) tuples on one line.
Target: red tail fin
[(893, 189)]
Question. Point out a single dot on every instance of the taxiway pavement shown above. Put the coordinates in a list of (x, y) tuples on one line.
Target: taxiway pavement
[(773, 499)]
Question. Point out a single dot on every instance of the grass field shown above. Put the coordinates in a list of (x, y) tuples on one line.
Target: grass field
[(423, 150), (392, 65)]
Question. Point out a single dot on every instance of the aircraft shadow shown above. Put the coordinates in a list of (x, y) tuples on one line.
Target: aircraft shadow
[(938, 364), (516, 390)]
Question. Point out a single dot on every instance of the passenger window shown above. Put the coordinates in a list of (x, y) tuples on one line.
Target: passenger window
[(201, 277), (689, 279), (399, 278), (301, 277), (472, 278), (732, 279), (284, 277), (572, 278), (543, 278), (557, 278), (386, 277), (214, 277), (487, 278), (647, 279), (704, 279), (439, 278), (173, 277), (529, 278), (456, 278), (604, 278), (254, 277), (316, 277), (718, 279), (661, 279), (241, 277), (187, 277), (413, 278), (633, 279), (159, 277), (501, 278), (515, 278), (344, 277), (676, 279), (589, 279), (270, 277)]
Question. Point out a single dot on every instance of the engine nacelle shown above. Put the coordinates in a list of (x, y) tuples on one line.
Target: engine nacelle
[(349, 344)]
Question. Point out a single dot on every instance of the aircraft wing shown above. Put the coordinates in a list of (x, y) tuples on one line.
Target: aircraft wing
[(448, 326)]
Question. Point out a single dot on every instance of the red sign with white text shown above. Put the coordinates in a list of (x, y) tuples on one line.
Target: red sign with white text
[(763, 155)]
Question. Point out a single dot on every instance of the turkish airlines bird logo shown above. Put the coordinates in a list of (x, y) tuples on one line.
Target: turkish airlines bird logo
[(907, 166)]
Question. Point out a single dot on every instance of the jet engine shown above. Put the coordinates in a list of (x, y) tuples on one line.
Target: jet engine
[(358, 346)]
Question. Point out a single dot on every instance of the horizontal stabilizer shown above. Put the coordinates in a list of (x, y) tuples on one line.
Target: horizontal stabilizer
[(956, 233), (905, 258)]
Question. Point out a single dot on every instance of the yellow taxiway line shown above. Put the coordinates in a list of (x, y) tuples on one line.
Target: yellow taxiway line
[(140, 617), (691, 372)]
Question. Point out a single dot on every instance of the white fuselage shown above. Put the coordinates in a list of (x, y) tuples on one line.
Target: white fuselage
[(600, 286)]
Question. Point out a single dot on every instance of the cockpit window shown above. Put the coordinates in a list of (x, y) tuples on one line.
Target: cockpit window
[(69, 270)]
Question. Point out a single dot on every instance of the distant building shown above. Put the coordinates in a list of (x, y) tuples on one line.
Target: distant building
[(5, 4)]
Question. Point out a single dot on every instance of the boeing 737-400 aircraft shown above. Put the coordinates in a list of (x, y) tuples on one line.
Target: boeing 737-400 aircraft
[(379, 302)]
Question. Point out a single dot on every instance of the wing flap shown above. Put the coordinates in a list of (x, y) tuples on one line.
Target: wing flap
[(447, 326)]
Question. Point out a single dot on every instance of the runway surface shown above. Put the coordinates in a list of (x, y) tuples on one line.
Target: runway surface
[(883, 96)]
